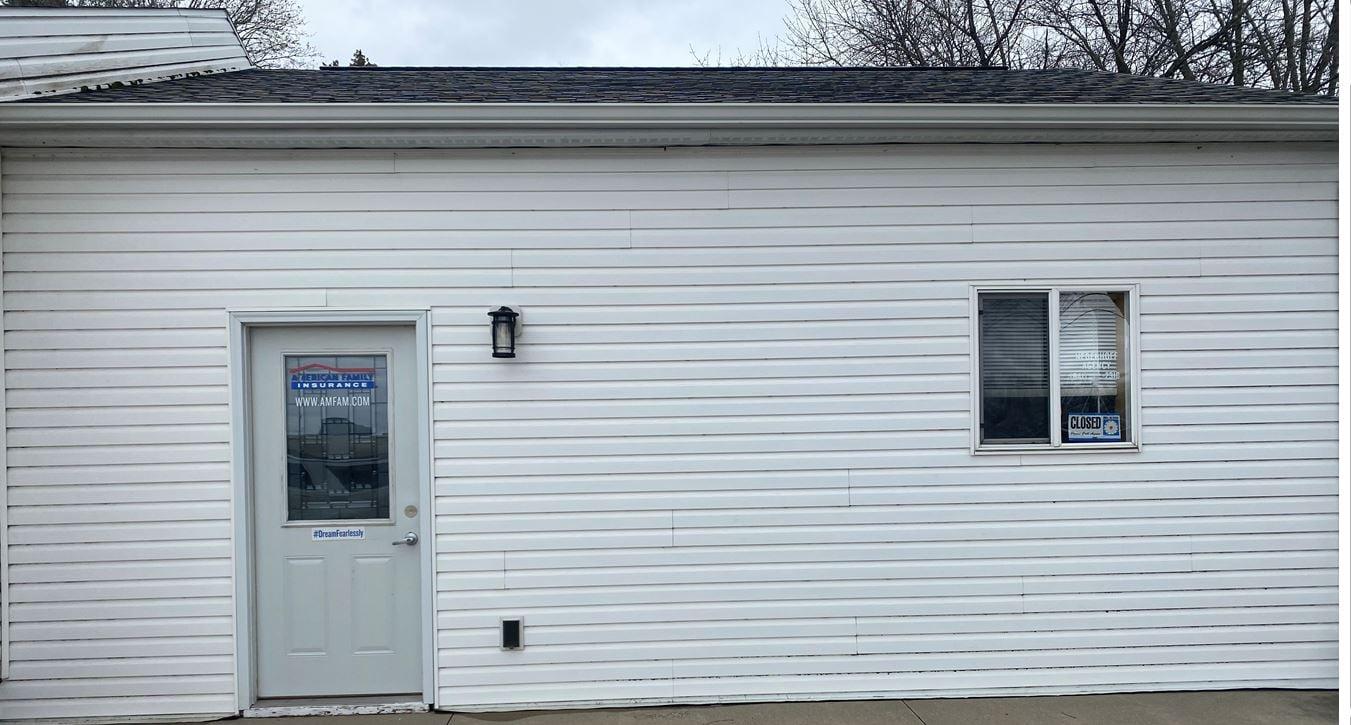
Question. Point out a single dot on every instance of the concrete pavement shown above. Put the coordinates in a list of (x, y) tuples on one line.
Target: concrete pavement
[(1246, 707)]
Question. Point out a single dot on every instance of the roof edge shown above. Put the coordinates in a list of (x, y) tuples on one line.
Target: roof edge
[(531, 124)]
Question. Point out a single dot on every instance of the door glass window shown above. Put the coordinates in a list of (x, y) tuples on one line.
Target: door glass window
[(337, 437)]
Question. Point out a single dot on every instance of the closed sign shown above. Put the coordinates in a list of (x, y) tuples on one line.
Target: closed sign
[(1094, 427)]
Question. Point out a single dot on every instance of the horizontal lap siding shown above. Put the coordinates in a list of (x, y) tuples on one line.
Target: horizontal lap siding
[(731, 458), (47, 51)]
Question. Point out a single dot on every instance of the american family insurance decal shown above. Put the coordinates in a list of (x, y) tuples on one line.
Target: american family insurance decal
[(318, 376), (324, 379)]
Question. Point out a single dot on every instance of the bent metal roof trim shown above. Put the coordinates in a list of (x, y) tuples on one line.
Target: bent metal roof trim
[(814, 85)]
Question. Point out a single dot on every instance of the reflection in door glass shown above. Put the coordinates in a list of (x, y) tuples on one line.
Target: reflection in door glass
[(337, 437)]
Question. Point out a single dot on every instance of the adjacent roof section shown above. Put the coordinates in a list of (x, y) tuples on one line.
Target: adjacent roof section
[(685, 85), (63, 50)]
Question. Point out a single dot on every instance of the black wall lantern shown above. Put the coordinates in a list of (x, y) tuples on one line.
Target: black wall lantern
[(504, 331)]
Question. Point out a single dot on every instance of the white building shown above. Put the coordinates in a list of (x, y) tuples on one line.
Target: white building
[(829, 384)]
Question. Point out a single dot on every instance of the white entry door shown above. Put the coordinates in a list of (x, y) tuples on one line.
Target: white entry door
[(335, 513)]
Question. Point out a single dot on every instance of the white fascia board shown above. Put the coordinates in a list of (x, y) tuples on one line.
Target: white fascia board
[(392, 124), (673, 114)]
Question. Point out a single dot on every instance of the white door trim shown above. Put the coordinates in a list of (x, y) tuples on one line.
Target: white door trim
[(239, 323)]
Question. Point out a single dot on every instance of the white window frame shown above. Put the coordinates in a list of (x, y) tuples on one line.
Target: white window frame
[(1132, 292)]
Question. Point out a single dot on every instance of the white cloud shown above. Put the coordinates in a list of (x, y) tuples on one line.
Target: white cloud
[(539, 32)]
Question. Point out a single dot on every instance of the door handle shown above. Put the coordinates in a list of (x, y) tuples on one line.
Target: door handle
[(409, 539)]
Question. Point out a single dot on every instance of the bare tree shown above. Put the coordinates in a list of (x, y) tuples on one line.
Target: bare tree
[(897, 32), (1285, 44), (271, 31), (1293, 43), (1092, 34)]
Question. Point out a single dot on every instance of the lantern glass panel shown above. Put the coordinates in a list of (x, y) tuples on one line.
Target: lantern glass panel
[(502, 334)]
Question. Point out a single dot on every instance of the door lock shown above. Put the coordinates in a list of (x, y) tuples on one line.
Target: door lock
[(409, 539)]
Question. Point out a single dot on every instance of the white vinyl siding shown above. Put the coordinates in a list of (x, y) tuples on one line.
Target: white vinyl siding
[(61, 50), (731, 460)]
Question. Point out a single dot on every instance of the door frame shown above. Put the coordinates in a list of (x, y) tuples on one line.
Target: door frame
[(240, 322)]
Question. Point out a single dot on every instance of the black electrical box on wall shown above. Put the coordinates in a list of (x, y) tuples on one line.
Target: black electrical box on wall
[(512, 634)]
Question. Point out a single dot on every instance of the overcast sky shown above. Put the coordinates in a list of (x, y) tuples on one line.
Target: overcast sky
[(538, 32)]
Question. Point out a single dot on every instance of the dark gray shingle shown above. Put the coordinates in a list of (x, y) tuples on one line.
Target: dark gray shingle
[(678, 85)]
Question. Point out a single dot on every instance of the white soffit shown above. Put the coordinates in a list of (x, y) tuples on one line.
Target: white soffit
[(46, 51)]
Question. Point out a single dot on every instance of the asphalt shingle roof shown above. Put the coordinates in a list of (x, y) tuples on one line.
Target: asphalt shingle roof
[(677, 85)]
